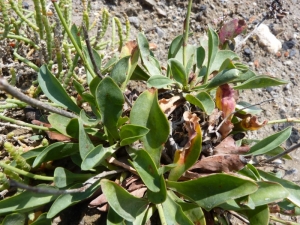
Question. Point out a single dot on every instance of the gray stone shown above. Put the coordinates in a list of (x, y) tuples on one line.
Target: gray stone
[(267, 40), (160, 32), (148, 2), (134, 21)]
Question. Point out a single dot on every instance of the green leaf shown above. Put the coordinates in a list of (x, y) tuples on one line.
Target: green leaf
[(14, 219), (113, 218), (221, 56), (148, 172), (203, 100), (26, 201), (292, 188), (261, 81), (94, 84), (79, 88), (72, 128), (96, 156), (119, 72), (253, 110), (277, 151), (85, 143), (175, 46), (59, 123), (97, 59), (140, 219), (223, 77), (42, 220), (270, 142), (173, 213), (139, 74), (63, 177), (146, 112), (268, 192), (250, 171), (55, 151), (110, 100), (88, 121), (66, 200), (260, 215), (30, 156), (76, 35), (245, 76), (130, 133), (200, 56), (123, 203), (178, 71), (54, 90), (159, 81), (145, 55), (213, 190), (213, 46)]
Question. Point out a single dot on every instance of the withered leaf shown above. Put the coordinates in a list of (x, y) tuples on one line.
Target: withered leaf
[(100, 200), (170, 104), (220, 163), (228, 146)]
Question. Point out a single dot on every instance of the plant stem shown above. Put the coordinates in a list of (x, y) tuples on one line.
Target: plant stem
[(282, 221), (21, 123), (31, 101), (186, 31), (292, 120), (78, 50), (161, 214), (25, 173)]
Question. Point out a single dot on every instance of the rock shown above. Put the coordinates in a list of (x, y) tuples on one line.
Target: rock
[(287, 63), (160, 11), (202, 7), (135, 21), (288, 44), (160, 32), (25, 5), (267, 39), (293, 53), (148, 2), (247, 51)]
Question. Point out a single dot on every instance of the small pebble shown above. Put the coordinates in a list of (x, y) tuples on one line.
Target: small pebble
[(25, 5), (160, 32), (288, 45), (135, 21), (247, 51)]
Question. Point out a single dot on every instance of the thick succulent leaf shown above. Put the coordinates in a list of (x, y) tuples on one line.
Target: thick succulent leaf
[(85, 143), (97, 59), (139, 74), (55, 151), (145, 55), (211, 191), (123, 203), (66, 200), (146, 112), (14, 219), (94, 84), (187, 157), (159, 81), (119, 72), (203, 100), (72, 128), (96, 156), (110, 100), (277, 151), (260, 215), (88, 121), (64, 178), (130, 133), (268, 192), (140, 219), (271, 142), (223, 77), (261, 81), (59, 122), (148, 172), (54, 90), (213, 46), (173, 213), (178, 71), (26, 201), (292, 188)]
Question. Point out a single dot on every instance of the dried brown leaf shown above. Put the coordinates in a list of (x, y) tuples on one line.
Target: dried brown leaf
[(139, 193), (100, 200), (220, 163), (170, 104), (228, 146)]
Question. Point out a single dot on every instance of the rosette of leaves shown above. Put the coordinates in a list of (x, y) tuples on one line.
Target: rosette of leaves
[(177, 146)]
